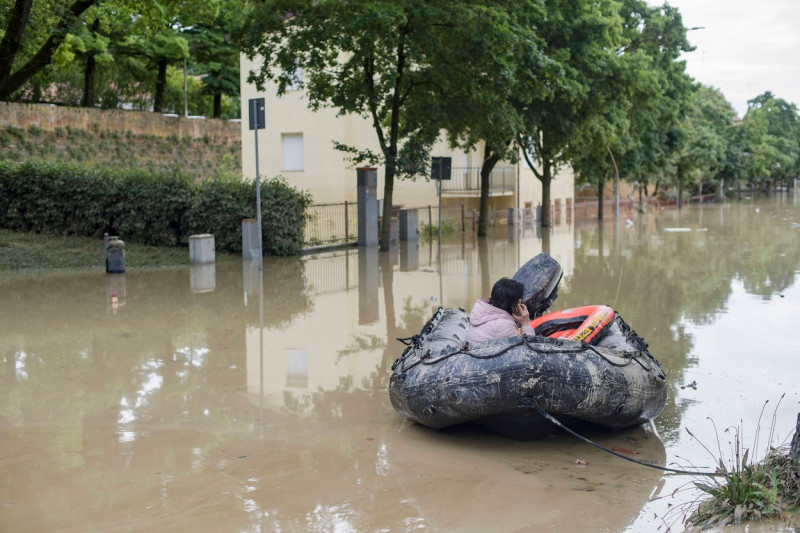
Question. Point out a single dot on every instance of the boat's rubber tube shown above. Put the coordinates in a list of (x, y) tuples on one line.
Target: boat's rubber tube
[(576, 324), (441, 380)]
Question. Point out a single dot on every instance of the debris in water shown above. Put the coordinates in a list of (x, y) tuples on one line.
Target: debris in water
[(624, 450)]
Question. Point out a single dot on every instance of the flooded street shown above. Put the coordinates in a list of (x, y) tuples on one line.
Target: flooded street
[(212, 399)]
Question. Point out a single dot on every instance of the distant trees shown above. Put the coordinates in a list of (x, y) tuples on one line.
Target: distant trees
[(104, 52), (552, 82)]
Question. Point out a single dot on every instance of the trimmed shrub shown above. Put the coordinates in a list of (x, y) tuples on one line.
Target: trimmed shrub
[(161, 209)]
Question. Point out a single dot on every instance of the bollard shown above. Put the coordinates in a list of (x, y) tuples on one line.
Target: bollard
[(115, 255), (201, 248), (251, 246), (409, 225)]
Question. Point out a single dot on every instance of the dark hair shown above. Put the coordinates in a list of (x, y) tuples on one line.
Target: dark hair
[(506, 293)]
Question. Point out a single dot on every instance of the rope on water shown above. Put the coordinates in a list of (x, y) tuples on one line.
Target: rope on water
[(530, 402)]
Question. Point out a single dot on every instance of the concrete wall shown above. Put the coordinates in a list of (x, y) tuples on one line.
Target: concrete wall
[(49, 117)]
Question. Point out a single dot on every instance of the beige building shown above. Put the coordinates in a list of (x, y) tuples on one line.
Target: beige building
[(297, 144)]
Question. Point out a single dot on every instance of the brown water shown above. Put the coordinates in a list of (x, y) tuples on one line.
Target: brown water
[(187, 406)]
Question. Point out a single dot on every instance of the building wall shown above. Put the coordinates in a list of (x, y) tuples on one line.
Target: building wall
[(330, 178)]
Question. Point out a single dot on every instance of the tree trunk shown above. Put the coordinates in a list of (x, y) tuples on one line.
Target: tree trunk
[(12, 38), (161, 86), (9, 46), (89, 73), (88, 81), (601, 185), (546, 179), (641, 199), (490, 159), (217, 105)]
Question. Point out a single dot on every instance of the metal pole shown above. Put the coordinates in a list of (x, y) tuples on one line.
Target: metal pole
[(346, 226), (440, 212), (258, 194)]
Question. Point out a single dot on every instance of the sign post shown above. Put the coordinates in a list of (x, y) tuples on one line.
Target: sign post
[(440, 170), (257, 122)]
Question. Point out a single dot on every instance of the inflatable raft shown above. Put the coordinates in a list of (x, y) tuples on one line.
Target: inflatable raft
[(613, 381)]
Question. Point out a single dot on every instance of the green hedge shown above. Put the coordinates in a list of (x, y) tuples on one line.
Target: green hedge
[(139, 206)]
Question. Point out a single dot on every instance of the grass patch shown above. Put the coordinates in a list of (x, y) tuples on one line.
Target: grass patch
[(21, 251)]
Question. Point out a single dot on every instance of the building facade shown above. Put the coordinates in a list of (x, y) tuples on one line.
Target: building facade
[(298, 144)]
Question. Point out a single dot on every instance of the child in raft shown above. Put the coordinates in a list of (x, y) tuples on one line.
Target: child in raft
[(503, 315)]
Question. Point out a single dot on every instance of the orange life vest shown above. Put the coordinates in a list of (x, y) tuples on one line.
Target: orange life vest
[(578, 324)]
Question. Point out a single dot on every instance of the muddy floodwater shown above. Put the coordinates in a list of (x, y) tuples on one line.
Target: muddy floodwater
[(211, 398)]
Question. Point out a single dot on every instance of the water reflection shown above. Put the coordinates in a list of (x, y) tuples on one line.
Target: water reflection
[(262, 404)]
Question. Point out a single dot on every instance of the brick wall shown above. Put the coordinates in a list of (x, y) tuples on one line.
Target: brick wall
[(49, 117)]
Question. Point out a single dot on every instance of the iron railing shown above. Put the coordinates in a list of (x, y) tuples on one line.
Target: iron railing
[(333, 223), (468, 180)]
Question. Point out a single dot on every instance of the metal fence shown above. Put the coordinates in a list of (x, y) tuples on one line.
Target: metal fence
[(337, 223), (334, 223)]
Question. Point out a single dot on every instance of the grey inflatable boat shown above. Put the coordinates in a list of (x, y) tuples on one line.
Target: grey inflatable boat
[(440, 380)]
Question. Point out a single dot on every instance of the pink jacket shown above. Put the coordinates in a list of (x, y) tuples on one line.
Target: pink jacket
[(487, 322)]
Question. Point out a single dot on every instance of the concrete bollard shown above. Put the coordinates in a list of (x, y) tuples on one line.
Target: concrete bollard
[(409, 225), (203, 277), (115, 255), (201, 248)]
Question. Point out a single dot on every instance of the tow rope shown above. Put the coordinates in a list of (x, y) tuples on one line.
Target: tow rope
[(530, 402)]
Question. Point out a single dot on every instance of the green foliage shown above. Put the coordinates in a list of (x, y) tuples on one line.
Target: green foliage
[(152, 208), (782, 136)]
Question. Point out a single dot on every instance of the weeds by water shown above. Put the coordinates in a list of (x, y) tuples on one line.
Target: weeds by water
[(744, 488)]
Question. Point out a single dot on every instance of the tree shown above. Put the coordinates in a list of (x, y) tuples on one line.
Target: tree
[(503, 65), (215, 49), (783, 125), (160, 49), (707, 131), (749, 152), (651, 85), (584, 105), (377, 59), (24, 52)]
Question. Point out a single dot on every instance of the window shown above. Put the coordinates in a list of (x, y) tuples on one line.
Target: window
[(292, 151), (296, 80)]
